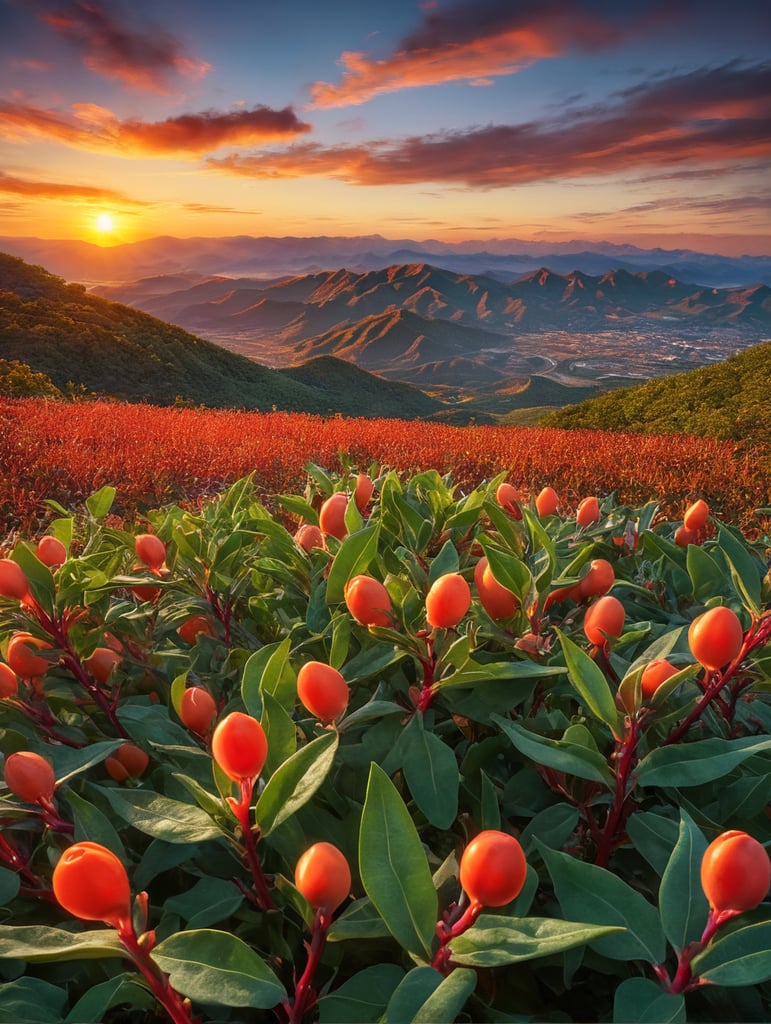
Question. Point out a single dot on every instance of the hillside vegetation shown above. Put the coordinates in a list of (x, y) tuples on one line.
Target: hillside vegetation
[(728, 400), (83, 342)]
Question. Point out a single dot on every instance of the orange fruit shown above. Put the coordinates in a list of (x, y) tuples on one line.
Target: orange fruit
[(368, 601), (447, 601), (332, 515), (715, 637), (604, 616), (493, 869), (322, 690), (323, 876), (735, 872)]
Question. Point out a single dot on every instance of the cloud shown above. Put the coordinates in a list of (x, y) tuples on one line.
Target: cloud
[(474, 41), (95, 128), (31, 189), (147, 60), (720, 116)]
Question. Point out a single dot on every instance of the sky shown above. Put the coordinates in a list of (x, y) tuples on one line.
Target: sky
[(645, 123)]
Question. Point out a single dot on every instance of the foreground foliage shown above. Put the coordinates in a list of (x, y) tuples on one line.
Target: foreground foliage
[(157, 737)]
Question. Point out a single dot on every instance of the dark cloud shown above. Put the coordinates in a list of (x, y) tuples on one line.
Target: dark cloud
[(719, 116), (472, 41), (188, 135), (148, 59)]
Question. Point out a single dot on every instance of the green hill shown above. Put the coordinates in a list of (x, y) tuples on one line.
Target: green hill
[(81, 340), (728, 400)]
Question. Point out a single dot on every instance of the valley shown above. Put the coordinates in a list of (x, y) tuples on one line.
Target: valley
[(471, 341)]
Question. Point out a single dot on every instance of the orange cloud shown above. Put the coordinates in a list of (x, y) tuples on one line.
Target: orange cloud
[(469, 41), (148, 60), (656, 125), (30, 189), (95, 128)]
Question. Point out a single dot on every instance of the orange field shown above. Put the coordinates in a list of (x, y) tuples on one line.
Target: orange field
[(153, 456)]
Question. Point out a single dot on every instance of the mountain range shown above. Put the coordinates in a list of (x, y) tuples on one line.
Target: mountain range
[(83, 343), (246, 255), (452, 333), (405, 340)]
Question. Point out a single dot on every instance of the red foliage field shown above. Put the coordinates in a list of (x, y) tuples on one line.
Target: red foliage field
[(153, 456)]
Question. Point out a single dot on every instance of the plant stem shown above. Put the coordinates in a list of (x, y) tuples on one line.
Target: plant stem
[(684, 980), (178, 1009), (625, 761), (241, 809), (304, 996), (429, 666), (455, 921)]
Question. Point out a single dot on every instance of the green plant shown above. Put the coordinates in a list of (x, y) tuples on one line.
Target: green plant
[(521, 813)]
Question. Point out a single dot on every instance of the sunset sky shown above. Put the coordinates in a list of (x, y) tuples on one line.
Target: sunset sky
[(646, 122)]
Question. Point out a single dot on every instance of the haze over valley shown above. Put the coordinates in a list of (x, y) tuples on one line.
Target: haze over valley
[(541, 338)]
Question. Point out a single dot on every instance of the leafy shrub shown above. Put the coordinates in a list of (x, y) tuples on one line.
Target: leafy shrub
[(260, 864)]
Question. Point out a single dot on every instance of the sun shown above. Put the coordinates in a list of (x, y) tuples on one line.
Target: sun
[(105, 223)]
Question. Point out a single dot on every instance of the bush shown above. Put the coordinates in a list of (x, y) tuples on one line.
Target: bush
[(312, 869)]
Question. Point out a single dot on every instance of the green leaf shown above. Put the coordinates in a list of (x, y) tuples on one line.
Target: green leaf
[(393, 866), (293, 784), (642, 1001), (217, 967), (745, 570), (363, 998), (100, 502), (494, 941), (447, 1001), (123, 988), (354, 557), (707, 576), (31, 1001), (40, 577), (654, 836), (93, 826), (565, 757), (682, 903), (592, 894), (209, 901), (489, 807), (413, 990), (269, 670), (553, 826), (360, 920), (472, 672), (9, 886), (69, 762), (40, 944), (446, 561), (508, 570), (591, 685), (162, 818), (280, 731), (743, 957), (692, 764), (431, 772)]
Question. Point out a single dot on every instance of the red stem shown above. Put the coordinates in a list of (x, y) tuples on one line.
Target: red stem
[(684, 980), (57, 629), (304, 996), (624, 763), (454, 922), (178, 1009), (241, 809), (429, 667)]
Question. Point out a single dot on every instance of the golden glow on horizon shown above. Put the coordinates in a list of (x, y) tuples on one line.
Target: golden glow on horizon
[(105, 223)]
